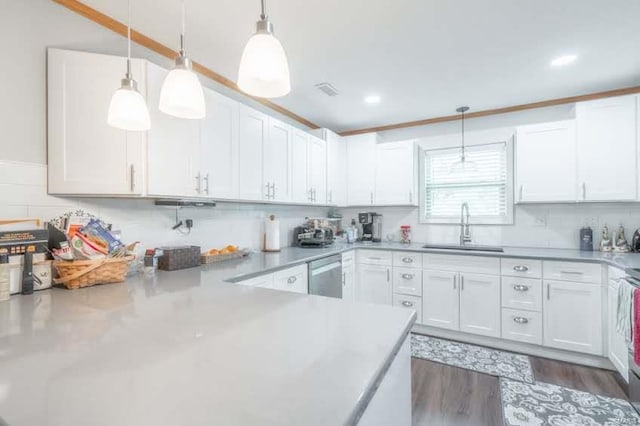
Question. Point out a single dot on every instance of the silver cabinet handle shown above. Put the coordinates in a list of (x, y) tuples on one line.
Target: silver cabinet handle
[(572, 272), (520, 196), (206, 179), (584, 190), (310, 198), (520, 320), (407, 259), (372, 198), (344, 279), (407, 276), (373, 258), (330, 196), (198, 183), (410, 197), (388, 275), (407, 304), (292, 279), (521, 287), (461, 282), (455, 281), (273, 191), (548, 292), (132, 173), (520, 268), (268, 194)]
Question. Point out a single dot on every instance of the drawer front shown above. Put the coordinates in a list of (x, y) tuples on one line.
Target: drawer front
[(375, 257), (528, 268), (522, 293), (407, 259), (522, 326), (407, 281), (348, 257), (462, 263), (409, 302), (265, 281), (292, 279), (572, 271)]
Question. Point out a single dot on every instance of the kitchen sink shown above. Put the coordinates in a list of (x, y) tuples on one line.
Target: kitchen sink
[(468, 247)]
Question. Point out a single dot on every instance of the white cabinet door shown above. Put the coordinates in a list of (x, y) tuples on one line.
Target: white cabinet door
[(361, 159), (173, 159), (348, 277), (395, 177), (299, 174), (336, 169), (617, 344), (573, 316), (219, 146), (293, 279), (440, 304), (317, 166), (252, 133), (374, 284), (546, 162), (277, 155), (480, 304), (85, 154), (606, 130)]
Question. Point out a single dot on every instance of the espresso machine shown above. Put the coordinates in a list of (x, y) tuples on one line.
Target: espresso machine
[(371, 227)]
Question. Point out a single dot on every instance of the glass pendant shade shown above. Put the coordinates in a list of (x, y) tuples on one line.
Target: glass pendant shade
[(128, 108), (264, 70), (181, 94), (463, 166)]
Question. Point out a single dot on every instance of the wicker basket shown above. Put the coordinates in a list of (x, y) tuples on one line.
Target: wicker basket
[(213, 258), (85, 273)]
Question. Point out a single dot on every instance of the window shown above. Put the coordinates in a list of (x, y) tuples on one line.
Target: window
[(486, 187)]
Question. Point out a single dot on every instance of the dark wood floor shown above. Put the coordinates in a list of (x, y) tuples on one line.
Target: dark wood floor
[(450, 396)]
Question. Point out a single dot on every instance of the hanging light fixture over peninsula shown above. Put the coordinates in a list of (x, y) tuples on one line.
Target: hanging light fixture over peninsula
[(181, 94), (128, 108), (264, 70), (463, 165)]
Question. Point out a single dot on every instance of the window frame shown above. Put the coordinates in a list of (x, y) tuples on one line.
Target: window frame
[(477, 220)]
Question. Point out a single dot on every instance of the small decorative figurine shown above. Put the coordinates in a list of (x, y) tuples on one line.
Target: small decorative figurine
[(621, 242), (605, 242)]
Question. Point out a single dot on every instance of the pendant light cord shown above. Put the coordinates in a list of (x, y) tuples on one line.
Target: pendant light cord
[(129, 39), (462, 136), (263, 15), (184, 29)]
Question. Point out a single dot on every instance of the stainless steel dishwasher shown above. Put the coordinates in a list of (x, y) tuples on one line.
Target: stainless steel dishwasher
[(325, 277)]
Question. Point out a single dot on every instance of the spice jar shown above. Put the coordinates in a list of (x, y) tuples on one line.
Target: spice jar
[(405, 232)]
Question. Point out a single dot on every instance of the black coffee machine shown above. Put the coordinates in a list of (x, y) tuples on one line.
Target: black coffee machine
[(371, 227)]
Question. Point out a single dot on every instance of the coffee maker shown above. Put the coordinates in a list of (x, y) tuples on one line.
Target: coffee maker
[(371, 227)]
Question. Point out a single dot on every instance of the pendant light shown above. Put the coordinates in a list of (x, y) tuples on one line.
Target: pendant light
[(181, 94), (264, 71), (128, 108), (463, 165)]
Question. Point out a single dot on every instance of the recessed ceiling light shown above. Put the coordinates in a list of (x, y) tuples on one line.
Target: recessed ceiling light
[(563, 60), (372, 99)]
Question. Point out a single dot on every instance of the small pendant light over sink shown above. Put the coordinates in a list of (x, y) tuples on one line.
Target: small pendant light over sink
[(181, 94), (463, 165), (128, 108), (264, 70)]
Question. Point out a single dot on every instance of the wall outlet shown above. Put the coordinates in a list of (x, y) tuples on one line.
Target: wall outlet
[(540, 220)]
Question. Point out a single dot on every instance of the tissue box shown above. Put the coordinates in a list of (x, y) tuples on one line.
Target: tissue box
[(180, 257)]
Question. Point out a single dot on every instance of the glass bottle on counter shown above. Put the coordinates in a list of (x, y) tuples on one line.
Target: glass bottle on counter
[(5, 289), (352, 232)]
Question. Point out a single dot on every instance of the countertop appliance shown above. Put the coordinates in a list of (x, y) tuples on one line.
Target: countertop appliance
[(371, 227), (316, 233), (325, 277)]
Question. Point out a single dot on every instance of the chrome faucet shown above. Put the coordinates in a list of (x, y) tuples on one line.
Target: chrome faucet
[(465, 236)]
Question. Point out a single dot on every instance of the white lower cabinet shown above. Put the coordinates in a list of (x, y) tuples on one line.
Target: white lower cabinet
[(293, 279), (618, 352), (264, 281), (374, 284), (440, 299), (480, 304), (522, 326), (409, 302), (573, 316), (348, 277)]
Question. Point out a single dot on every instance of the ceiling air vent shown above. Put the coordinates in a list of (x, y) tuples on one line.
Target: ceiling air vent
[(327, 89)]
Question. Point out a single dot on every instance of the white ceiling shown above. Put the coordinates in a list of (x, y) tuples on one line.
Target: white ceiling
[(423, 57)]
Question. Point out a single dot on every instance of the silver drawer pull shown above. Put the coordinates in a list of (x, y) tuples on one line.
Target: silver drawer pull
[(407, 304), (520, 320), (521, 287), (292, 279), (407, 276), (520, 268), (373, 258), (407, 259), (572, 272)]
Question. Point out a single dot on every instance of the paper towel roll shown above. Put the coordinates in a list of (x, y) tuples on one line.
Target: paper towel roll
[(272, 234)]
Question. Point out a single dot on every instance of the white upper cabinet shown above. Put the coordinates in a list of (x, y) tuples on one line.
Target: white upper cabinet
[(395, 177), (336, 169), (361, 160), (85, 154), (277, 154), (300, 192), (173, 147), (252, 134), (317, 168), (546, 163), (606, 130), (219, 147)]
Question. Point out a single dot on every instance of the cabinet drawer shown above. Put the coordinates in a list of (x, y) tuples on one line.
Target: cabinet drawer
[(407, 281), (523, 326), (572, 271), (292, 279), (407, 259), (522, 293), (347, 257), (409, 302), (265, 281), (462, 263), (374, 257), (521, 268)]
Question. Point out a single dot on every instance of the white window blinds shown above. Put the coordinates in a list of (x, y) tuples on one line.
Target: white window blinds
[(484, 186)]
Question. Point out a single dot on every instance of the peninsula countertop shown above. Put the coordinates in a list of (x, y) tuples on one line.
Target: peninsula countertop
[(186, 348)]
